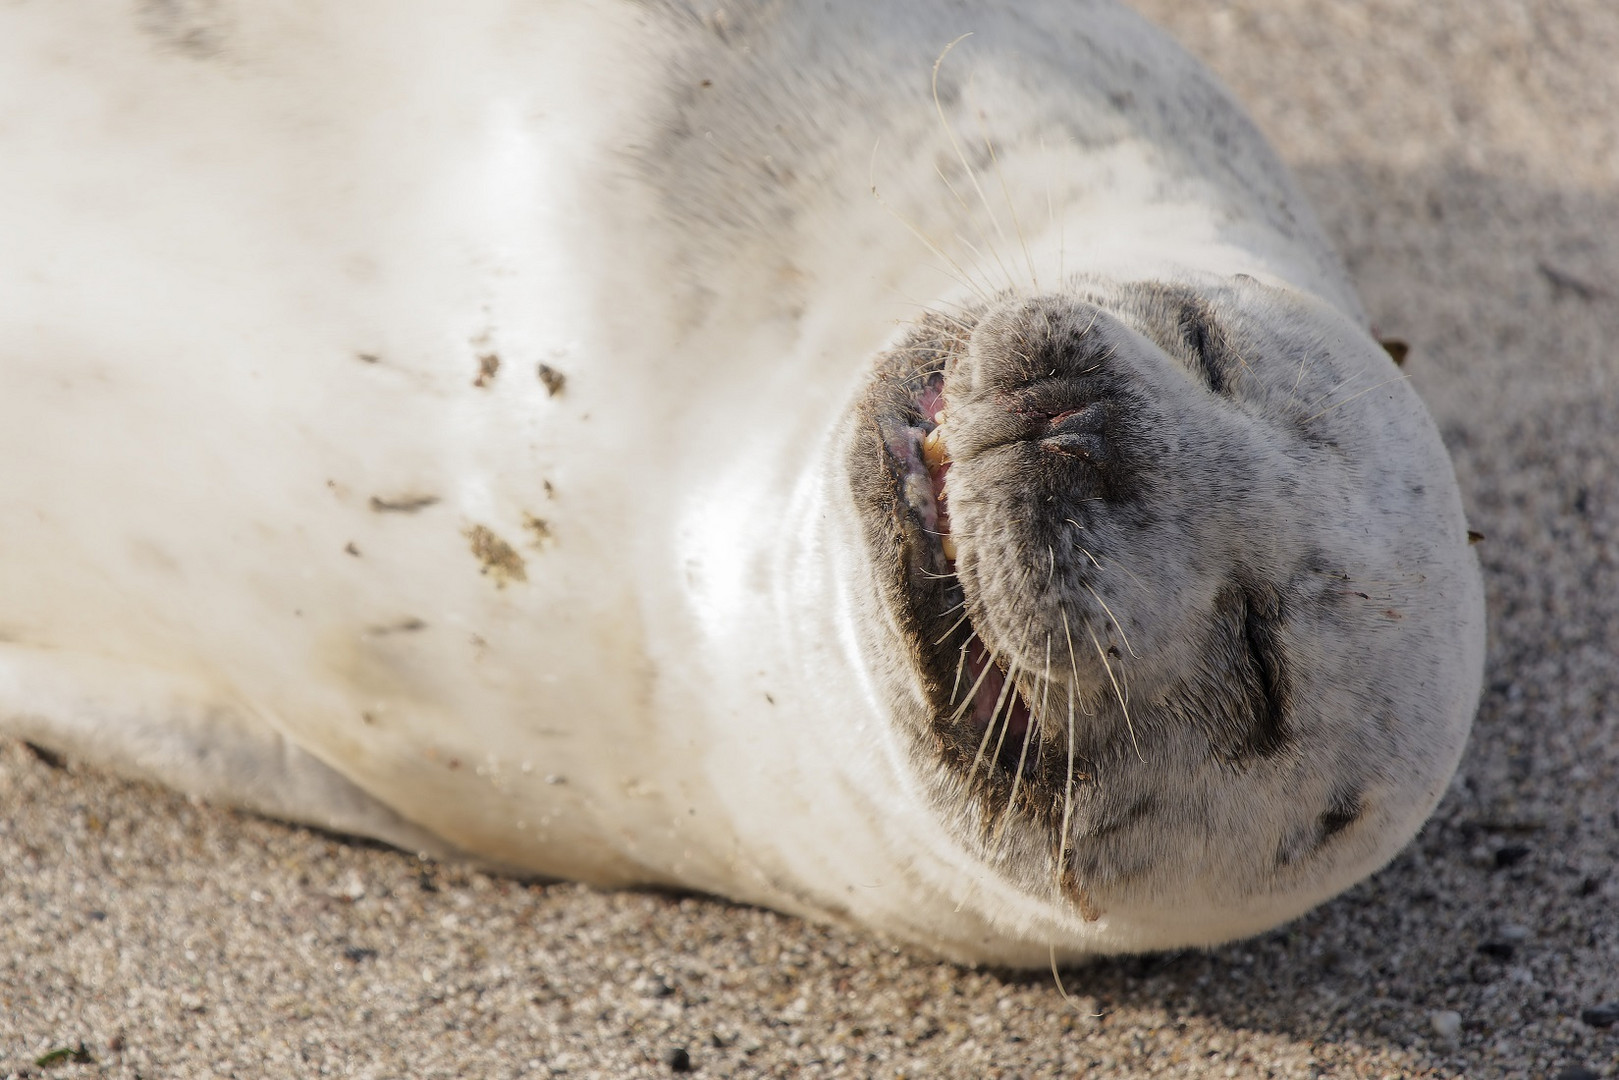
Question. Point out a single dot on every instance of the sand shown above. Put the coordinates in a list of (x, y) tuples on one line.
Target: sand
[(1465, 155)]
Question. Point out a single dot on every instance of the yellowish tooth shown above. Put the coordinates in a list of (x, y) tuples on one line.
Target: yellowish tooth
[(949, 544), (933, 450), (940, 416)]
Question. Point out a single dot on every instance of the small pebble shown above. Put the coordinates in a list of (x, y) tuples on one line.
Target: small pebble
[(1513, 934), (1446, 1024), (1578, 1072), (679, 1060), (1511, 855), (1605, 1015)]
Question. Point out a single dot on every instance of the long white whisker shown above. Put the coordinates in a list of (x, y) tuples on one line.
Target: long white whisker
[(953, 629), (962, 277), (1011, 208), (1352, 397), (1023, 754), (961, 710), (977, 228), (955, 145), (1123, 704), (961, 663), (1068, 790), (1007, 691), (1142, 585), (984, 260), (1115, 618), (1304, 362)]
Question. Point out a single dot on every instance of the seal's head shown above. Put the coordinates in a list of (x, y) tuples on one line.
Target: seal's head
[(1193, 632)]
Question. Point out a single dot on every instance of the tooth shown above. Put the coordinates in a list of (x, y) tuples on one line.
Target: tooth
[(933, 450), (940, 416), (949, 544)]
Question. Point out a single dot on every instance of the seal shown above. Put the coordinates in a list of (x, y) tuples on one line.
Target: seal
[(913, 465)]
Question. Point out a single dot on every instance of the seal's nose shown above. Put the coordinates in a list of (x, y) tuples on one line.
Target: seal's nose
[(1077, 432), (1048, 382)]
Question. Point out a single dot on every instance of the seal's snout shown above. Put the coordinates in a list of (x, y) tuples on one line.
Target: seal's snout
[(1059, 420)]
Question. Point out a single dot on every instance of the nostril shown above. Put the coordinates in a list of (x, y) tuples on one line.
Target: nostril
[(1088, 417), (1081, 444), (1074, 432)]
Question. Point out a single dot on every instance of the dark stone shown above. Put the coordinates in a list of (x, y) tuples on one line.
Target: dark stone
[(678, 1060), (45, 756), (1498, 950), (1511, 855), (1605, 1015)]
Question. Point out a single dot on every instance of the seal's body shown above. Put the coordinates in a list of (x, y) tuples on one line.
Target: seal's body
[(752, 449)]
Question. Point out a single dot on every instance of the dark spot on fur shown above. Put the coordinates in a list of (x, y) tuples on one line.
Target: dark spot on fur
[(408, 625), (403, 504), (553, 379), (488, 368), (539, 530), (496, 557)]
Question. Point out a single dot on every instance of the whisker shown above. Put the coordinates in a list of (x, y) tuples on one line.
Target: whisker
[(1352, 397), (954, 628), (1123, 704), (1068, 788), (961, 710), (964, 279), (1142, 585), (1007, 691), (1115, 618), (989, 728), (1303, 363), (955, 145), (961, 663), (1011, 207), (1023, 754)]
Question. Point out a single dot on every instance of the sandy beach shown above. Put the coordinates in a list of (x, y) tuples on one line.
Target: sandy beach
[(1464, 155)]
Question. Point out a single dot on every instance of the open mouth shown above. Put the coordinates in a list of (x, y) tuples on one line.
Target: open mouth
[(980, 716)]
